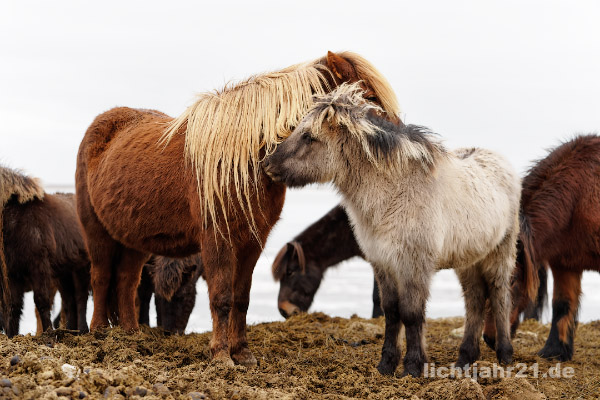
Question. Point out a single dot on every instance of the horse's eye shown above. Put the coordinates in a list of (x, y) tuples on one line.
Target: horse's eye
[(372, 98), (307, 137)]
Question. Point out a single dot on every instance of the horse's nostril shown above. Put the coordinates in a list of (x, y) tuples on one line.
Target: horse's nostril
[(288, 309)]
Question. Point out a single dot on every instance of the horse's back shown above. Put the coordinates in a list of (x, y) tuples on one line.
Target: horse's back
[(44, 230), (560, 200), (138, 188), (479, 206)]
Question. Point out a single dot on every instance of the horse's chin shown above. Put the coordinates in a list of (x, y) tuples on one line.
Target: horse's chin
[(287, 180)]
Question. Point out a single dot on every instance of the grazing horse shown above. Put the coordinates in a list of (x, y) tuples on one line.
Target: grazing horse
[(41, 249), (173, 282), (300, 264), (149, 184), (560, 228), (415, 207)]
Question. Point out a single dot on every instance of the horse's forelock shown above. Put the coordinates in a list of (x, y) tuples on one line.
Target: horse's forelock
[(374, 79)]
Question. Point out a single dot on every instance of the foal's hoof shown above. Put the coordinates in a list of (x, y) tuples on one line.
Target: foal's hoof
[(245, 357), (223, 358), (505, 354), (490, 341)]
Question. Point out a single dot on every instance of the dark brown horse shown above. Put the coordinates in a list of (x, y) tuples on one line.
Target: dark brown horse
[(560, 228), (42, 250), (300, 264), (173, 282), (201, 190)]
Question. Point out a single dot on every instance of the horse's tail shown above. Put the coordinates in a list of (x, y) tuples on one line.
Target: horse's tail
[(536, 309), (4, 283), (531, 277)]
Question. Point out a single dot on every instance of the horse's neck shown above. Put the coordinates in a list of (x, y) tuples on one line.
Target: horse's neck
[(373, 193)]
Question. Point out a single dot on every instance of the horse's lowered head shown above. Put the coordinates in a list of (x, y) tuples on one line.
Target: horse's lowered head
[(299, 279), (343, 134)]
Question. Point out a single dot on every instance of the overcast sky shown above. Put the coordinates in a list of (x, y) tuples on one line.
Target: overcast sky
[(513, 76)]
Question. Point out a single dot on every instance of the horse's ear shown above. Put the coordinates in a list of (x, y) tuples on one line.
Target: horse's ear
[(341, 68), (300, 253), (278, 268)]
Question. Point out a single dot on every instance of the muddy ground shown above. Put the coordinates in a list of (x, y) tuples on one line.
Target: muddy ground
[(307, 357)]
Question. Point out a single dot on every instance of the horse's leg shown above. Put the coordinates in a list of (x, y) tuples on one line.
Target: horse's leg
[(144, 293), (414, 292), (474, 290), (497, 270), (128, 274), (13, 319), (66, 288), (377, 311), (489, 327), (565, 303), (218, 263), (390, 302), (43, 291), (242, 280), (81, 282), (102, 249)]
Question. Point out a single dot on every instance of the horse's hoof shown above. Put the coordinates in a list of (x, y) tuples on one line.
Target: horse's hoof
[(94, 326), (245, 358), (505, 354), (388, 362), (413, 371), (467, 355), (490, 341), (386, 368), (223, 358), (557, 350)]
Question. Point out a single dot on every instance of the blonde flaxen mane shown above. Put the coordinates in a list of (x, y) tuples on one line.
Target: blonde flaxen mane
[(22, 187), (225, 131)]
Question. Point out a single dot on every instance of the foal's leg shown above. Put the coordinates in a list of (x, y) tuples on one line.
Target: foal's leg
[(129, 273), (391, 351), (377, 311), (497, 269), (242, 280), (414, 292), (474, 290), (565, 303), (218, 270)]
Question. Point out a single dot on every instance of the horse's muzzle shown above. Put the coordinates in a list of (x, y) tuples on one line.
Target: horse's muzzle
[(287, 309)]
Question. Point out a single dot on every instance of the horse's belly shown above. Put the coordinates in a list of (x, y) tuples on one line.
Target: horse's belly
[(140, 193)]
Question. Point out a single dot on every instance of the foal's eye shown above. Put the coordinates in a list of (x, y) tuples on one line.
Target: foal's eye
[(307, 137)]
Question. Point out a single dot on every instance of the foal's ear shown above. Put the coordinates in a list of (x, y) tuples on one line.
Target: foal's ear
[(281, 261), (341, 68)]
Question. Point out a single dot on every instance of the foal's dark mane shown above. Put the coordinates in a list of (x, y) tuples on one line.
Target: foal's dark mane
[(389, 137)]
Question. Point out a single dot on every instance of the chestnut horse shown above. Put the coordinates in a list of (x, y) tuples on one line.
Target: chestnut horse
[(149, 184), (560, 228), (300, 264)]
